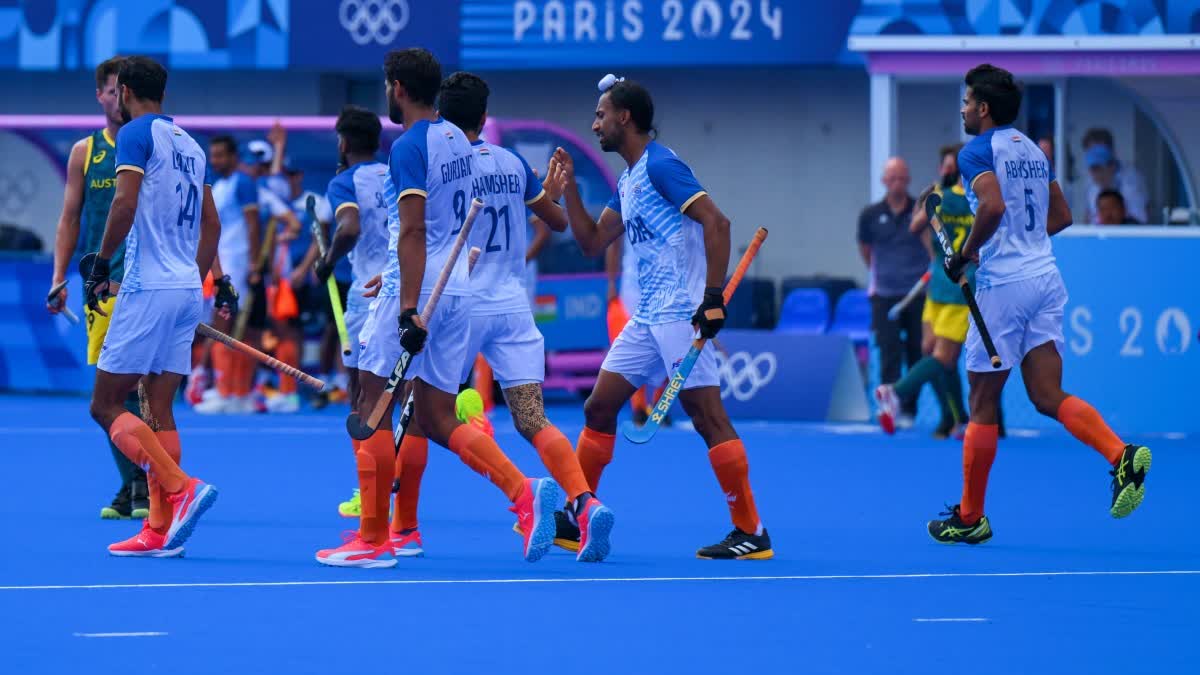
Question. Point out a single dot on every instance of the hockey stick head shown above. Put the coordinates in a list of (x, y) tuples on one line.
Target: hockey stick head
[(357, 428), (932, 202), (635, 434)]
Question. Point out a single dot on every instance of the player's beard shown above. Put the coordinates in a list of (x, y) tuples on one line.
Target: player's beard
[(395, 114), (126, 116), (608, 144), (949, 181)]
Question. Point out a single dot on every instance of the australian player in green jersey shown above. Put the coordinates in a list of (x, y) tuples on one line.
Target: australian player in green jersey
[(945, 315), (91, 183)]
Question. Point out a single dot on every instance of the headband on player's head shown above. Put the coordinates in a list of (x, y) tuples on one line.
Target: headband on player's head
[(608, 81)]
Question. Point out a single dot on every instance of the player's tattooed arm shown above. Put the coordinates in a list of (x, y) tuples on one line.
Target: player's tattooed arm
[(210, 233), (593, 237), (987, 215), (528, 410), (716, 238), (1059, 217)]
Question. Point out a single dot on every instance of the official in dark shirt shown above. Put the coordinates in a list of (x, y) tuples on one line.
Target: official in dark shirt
[(896, 259)]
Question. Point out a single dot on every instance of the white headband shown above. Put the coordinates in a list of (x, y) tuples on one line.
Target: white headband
[(608, 81)]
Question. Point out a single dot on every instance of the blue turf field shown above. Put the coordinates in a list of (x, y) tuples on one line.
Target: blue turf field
[(1062, 588)]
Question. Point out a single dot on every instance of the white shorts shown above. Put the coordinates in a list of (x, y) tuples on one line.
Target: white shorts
[(152, 332), (440, 363), (1020, 316), (356, 317), (648, 354), (512, 345)]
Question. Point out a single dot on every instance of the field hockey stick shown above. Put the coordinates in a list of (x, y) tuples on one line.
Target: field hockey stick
[(335, 298), (917, 289), (361, 430), (52, 300), (645, 432), (264, 253), (407, 413), (268, 361), (931, 204)]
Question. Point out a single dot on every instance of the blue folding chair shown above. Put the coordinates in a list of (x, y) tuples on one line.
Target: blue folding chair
[(805, 310), (852, 316)]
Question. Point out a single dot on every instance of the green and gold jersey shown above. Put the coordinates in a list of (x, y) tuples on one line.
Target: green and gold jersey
[(99, 186), (957, 219)]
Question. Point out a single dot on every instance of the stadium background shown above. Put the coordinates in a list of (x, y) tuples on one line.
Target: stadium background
[(785, 109)]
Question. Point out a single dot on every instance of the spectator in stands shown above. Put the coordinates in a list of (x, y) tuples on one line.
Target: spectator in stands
[(896, 259), (1110, 207), (1046, 143), (1109, 174)]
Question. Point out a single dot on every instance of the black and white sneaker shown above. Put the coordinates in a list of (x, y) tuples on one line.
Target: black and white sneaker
[(739, 546)]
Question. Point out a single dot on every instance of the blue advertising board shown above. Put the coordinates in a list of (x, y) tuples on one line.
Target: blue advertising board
[(571, 311), (788, 376), (548, 34), (224, 34)]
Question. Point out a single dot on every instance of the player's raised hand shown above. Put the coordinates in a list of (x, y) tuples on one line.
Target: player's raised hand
[(372, 286), (555, 183), (96, 288), (277, 136), (563, 160)]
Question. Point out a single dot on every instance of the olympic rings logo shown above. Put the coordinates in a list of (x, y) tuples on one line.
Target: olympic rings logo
[(17, 191), (373, 20), (742, 375)]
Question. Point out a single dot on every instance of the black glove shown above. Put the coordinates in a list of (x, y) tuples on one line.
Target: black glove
[(95, 289), (955, 265), (412, 336), (227, 295), (322, 270), (710, 315)]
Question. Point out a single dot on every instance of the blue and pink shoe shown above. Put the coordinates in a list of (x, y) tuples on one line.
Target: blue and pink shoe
[(190, 503), (595, 524), (535, 515)]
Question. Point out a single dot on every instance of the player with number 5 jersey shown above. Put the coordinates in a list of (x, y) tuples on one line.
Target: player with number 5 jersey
[(164, 211), (1018, 205), (681, 240)]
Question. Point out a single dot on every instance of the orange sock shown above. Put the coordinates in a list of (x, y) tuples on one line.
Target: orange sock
[(375, 468), (1084, 423), (245, 381), (160, 508), (137, 442), (410, 466), (478, 451), (979, 450), (729, 462), (483, 382), (595, 451), (222, 358), (288, 352), (558, 456)]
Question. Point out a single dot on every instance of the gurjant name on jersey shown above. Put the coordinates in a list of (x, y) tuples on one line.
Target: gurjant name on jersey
[(456, 168)]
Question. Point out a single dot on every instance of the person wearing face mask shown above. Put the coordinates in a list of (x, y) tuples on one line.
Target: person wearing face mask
[(945, 313)]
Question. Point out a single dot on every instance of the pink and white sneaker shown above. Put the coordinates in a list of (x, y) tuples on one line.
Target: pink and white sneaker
[(889, 407), (196, 385), (144, 544), (357, 553), (595, 524), (407, 544), (190, 503), (535, 515)]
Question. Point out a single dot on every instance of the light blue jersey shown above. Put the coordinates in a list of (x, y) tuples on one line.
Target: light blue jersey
[(506, 184), (433, 160), (160, 251), (671, 264), (1020, 248), (362, 188), (233, 195)]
